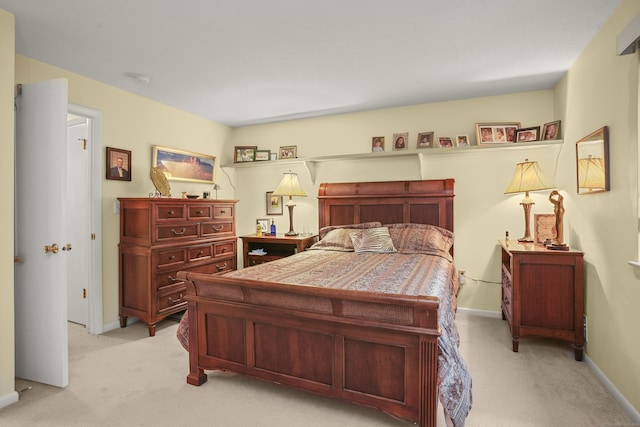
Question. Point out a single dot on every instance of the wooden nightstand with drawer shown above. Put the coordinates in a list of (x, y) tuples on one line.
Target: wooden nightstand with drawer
[(276, 247), (542, 293), (158, 238)]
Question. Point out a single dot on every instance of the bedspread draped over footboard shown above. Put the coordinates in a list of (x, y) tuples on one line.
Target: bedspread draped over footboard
[(365, 312)]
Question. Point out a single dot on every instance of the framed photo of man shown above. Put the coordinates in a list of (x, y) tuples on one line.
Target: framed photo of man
[(118, 164)]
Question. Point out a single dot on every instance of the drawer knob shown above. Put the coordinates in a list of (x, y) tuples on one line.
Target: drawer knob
[(224, 250), (173, 279), (223, 212), (172, 212), (217, 228), (175, 301), (172, 257), (199, 212), (201, 253), (179, 233), (221, 267)]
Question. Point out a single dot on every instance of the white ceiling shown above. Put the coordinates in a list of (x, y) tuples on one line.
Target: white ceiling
[(243, 62)]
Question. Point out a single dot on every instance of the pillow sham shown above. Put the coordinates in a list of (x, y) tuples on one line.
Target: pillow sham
[(375, 240), (420, 238), (336, 240), (324, 230)]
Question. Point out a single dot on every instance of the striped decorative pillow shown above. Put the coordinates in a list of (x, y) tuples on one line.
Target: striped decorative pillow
[(372, 240)]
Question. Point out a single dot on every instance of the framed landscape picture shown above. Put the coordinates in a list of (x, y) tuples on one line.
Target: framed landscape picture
[(180, 165)]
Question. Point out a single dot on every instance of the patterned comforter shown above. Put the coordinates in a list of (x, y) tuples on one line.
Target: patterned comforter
[(396, 273)]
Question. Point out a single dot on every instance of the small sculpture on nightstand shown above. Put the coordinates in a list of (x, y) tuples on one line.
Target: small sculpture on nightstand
[(558, 209)]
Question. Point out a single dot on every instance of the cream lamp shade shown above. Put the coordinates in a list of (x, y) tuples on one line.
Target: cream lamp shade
[(528, 177), (591, 173), (289, 186)]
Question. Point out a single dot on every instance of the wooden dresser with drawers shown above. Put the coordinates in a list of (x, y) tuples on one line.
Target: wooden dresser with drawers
[(161, 236)]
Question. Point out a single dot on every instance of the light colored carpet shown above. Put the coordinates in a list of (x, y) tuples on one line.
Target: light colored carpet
[(126, 378)]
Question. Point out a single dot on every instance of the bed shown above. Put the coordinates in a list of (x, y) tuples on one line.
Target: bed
[(367, 315)]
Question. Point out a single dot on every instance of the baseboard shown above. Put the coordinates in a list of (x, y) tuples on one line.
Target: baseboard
[(626, 406), (9, 399)]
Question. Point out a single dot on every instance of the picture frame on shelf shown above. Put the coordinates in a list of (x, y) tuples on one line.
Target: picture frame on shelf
[(273, 156), (528, 134), (185, 166), (244, 153), (118, 164), (288, 152), (496, 133), (262, 155), (462, 141), (264, 225), (425, 140), (551, 131), (400, 141), (274, 204), (445, 142), (377, 144)]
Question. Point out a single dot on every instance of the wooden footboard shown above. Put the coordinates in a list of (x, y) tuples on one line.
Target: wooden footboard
[(375, 350)]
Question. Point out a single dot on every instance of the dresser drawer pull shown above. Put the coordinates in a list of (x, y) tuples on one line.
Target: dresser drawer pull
[(223, 212), (178, 233), (224, 250), (173, 279), (172, 257), (200, 253), (199, 212), (172, 212), (220, 268), (175, 301), (220, 228)]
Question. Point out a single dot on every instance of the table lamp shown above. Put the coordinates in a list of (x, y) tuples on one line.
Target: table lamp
[(527, 177), (289, 186)]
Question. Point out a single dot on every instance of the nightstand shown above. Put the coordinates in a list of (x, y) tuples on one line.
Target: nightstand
[(542, 293), (276, 247)]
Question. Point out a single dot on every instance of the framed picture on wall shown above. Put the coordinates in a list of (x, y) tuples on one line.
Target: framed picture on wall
[(274, 204), (186, 166), (118, 164), (425, 140)]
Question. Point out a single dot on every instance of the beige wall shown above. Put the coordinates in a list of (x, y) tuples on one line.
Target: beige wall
[(7, 55), (482, 211), (132, 123), (601, 89)]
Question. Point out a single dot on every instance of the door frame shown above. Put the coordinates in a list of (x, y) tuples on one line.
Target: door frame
[(95, 323)]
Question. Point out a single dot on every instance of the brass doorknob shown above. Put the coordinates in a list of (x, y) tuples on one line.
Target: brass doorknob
[(53, 249), (67, 247)]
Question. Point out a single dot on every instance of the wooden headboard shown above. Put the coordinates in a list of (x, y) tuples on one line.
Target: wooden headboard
[(422, 202)]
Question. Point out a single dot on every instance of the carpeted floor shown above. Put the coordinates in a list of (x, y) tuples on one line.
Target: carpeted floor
[(126, 378)]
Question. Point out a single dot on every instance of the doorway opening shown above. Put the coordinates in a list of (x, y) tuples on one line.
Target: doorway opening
[(89, 200)]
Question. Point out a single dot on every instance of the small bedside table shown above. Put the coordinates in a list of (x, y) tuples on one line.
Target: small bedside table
[(542, 293), (276, 247)]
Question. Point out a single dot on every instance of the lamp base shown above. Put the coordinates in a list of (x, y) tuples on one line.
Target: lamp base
[(290, 233), (525, 239)]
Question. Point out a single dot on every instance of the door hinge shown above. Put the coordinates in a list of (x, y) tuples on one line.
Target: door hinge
[(84, 293), (93, 236), (84, 143)]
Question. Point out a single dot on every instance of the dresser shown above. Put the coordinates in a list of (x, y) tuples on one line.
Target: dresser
[(161, 236), (542, 293), (275, 247)]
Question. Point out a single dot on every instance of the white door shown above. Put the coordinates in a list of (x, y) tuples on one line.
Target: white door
[(41, 278), (78, 208)]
